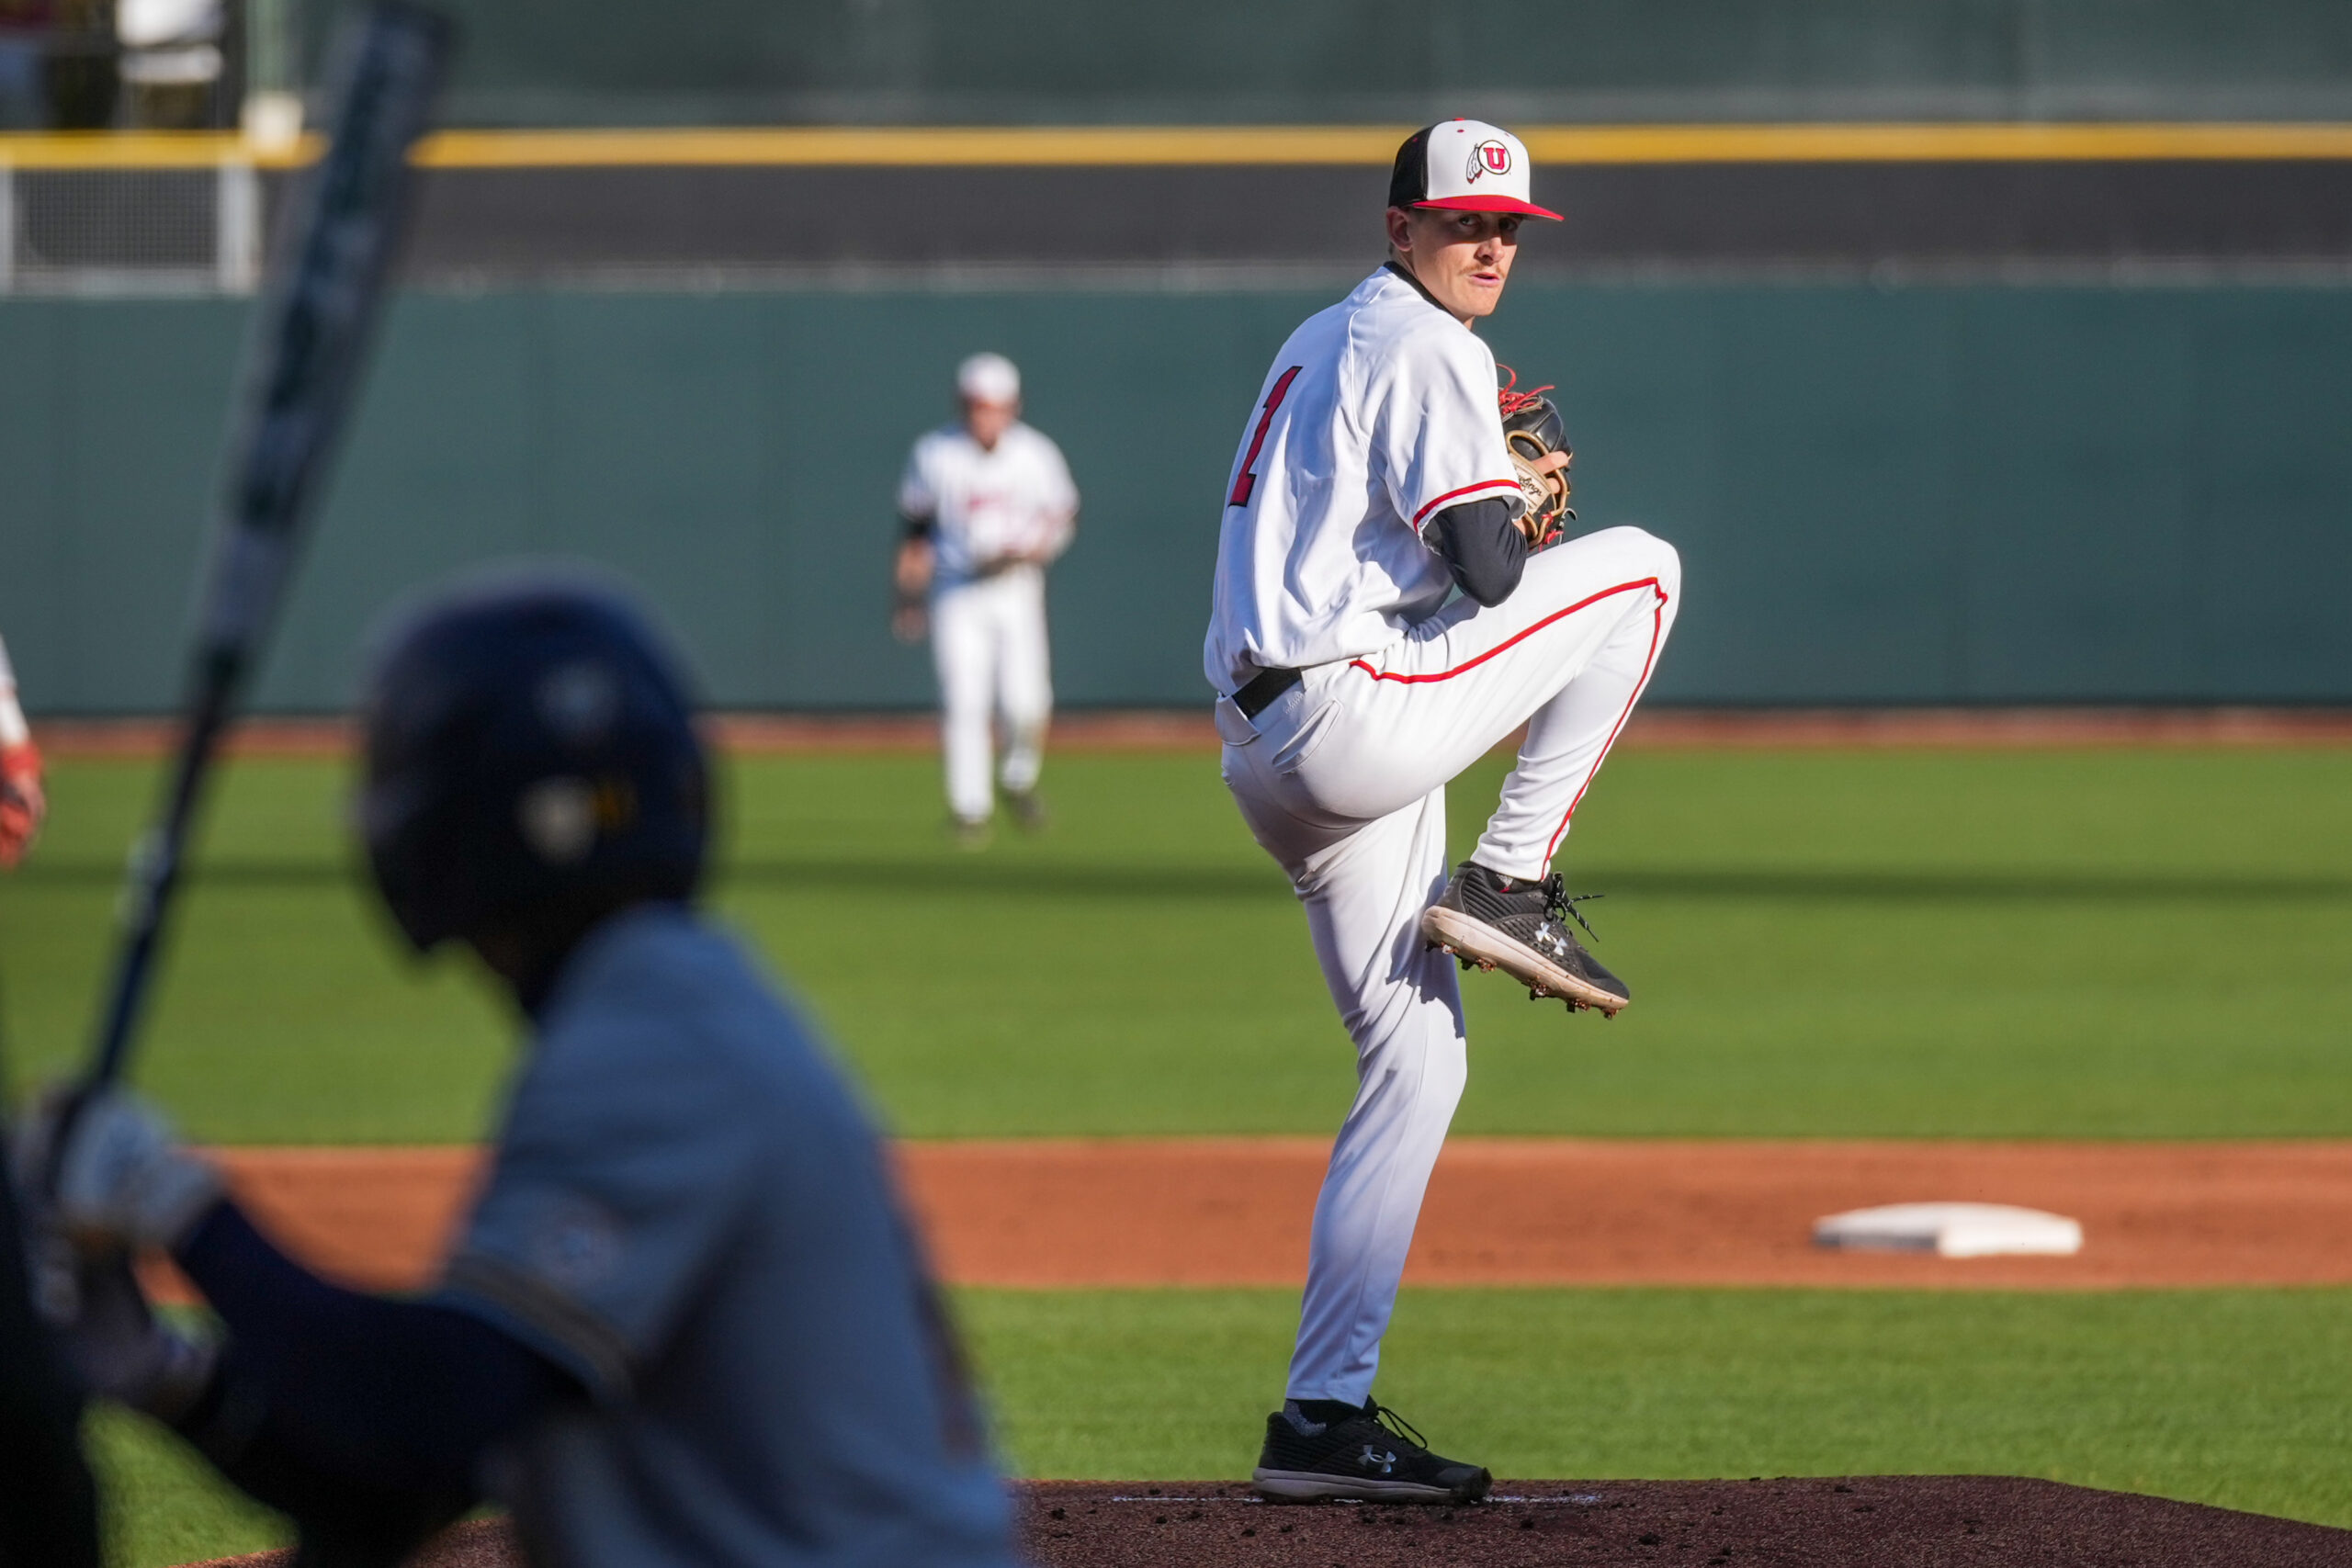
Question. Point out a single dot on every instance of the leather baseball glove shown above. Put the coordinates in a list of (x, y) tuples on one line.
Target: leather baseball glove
[(1539, 456)]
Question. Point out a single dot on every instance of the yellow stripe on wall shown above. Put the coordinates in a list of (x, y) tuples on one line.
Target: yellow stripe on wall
[(853, 146)]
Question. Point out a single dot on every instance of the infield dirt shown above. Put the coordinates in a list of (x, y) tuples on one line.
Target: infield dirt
[(1078, 1213), (1928, 1521), (1190, 730)]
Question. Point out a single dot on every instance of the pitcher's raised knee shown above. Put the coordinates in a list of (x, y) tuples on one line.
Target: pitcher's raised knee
[(1599, 563), (1643, 554)]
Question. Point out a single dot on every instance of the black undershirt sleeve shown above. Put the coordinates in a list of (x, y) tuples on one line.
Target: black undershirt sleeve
[(919, 527), (1482, 547), (345, 1409)]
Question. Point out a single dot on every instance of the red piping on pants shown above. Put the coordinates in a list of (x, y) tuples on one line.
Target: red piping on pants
[(1517, 637), (1657, 626)]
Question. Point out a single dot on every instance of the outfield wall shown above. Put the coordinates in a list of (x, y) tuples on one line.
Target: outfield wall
[(698, 61), (1913, 494)]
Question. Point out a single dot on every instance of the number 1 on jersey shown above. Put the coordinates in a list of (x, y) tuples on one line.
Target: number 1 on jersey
[(1247, 480)]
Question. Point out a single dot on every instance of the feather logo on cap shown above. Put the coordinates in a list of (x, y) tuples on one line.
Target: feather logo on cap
[(1490, 157)]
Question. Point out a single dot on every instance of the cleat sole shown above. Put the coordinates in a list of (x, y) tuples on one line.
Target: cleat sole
[(1314, 1486), (1475, 940)]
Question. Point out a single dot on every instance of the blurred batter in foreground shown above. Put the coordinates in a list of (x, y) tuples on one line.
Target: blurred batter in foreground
[(686, 1323), (988, 504)]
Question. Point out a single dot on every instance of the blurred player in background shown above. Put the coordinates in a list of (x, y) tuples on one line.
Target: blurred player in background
[(987, 505), (687, 1322), (22, 801), (1392, 600)]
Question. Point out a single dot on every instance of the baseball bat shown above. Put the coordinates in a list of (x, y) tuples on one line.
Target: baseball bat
[(322, 294)]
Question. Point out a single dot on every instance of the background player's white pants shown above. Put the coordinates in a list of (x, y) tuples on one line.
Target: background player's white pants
[(1344, 783), (988, 639)]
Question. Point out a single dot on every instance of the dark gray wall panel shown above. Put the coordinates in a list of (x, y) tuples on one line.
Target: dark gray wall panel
[(643, 225)]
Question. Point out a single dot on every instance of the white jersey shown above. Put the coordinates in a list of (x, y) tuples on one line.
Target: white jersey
[(987, 503), (1377, 415)]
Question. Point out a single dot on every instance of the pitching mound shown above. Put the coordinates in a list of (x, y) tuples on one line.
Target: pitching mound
[(1861, 1522)]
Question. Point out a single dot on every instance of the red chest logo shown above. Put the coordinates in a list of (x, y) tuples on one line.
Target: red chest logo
[(1488, 158)]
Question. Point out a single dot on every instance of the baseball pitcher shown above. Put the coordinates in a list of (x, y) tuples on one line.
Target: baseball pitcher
[(1393, 599), (987, 505)]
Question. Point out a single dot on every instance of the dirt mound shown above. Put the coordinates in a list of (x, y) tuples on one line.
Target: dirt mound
[(1919, 1521), (1862, 1522)]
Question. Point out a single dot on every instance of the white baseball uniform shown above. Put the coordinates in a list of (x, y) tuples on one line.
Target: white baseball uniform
[(988, 617), (1379, 413)]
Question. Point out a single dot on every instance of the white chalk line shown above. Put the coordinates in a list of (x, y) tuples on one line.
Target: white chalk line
[(1578, 1499)]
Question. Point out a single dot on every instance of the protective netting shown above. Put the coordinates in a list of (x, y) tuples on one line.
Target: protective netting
[(176, 231)]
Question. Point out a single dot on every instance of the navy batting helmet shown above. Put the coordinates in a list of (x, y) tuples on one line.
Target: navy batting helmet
[(528, 747)]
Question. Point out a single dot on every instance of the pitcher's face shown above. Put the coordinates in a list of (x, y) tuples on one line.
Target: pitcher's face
[(1462, 258)]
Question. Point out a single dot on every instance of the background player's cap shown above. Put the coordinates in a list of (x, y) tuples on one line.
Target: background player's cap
[(1464, 165), (987, 378)]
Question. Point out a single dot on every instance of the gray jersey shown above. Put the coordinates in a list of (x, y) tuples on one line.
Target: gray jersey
[(690, 1213)]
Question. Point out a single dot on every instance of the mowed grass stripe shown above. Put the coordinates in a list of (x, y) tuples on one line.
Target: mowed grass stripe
[(2230, 1397), (2108, 944)]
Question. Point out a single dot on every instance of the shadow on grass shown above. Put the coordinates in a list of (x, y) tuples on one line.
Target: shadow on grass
[(949, 873)]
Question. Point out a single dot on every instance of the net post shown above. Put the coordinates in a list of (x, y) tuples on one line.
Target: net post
[(7, 226), (236, 225)]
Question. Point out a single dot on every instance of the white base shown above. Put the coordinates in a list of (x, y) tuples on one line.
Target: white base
[(1951, 1230)]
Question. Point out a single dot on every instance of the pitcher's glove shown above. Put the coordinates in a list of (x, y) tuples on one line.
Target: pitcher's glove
[(1539, 456)]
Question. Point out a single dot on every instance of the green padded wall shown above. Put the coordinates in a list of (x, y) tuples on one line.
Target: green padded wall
[(1966, 494), (566, 61)]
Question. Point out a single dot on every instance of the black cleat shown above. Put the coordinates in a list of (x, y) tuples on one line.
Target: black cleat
[(1374, 1456), (1498, 922)]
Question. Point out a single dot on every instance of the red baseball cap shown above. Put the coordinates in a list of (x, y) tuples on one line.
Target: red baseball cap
[(1467, 165)]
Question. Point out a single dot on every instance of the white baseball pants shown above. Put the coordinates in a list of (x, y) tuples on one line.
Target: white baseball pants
[(987, 641), (1343, 780)]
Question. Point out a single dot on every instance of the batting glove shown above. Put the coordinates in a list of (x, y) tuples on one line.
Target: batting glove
[(121, 1351), (120, 1183)]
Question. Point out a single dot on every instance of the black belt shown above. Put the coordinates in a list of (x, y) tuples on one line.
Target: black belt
[(1262, 689)]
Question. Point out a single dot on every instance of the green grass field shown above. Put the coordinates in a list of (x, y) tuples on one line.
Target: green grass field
[(2233, 1397), (2109, 944), (2065, 944)]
